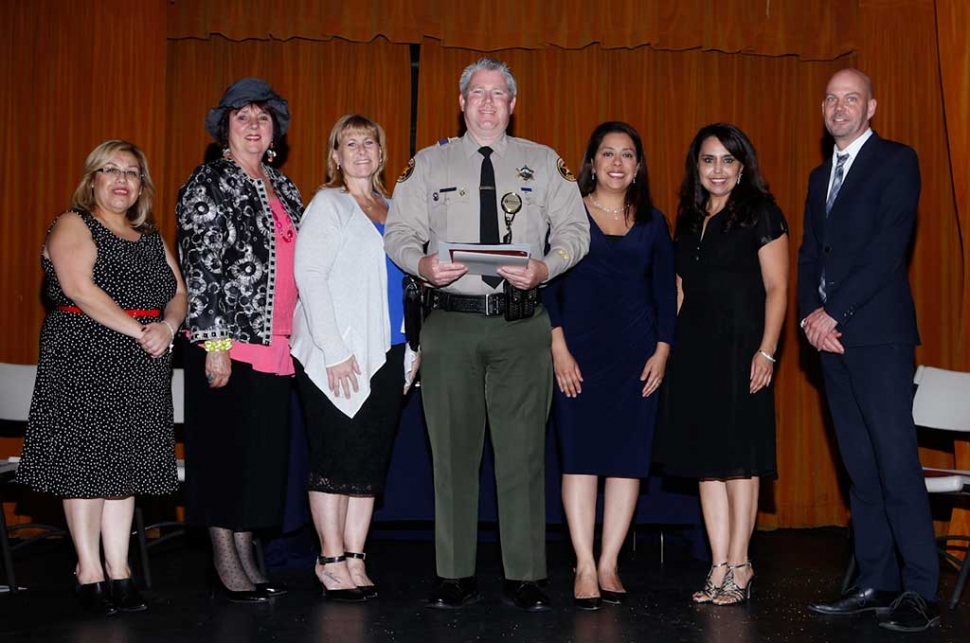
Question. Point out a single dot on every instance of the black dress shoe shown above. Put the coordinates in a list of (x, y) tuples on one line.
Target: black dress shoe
[(269, 590), (454, 593), (526, 595), (856, 601), (125, 595), (95, 599), (613, 598), (912, 613), (590, 604)]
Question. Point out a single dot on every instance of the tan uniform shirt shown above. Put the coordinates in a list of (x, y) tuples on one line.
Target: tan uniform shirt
[(437, 199)]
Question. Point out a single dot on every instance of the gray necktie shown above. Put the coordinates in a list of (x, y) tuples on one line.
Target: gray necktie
[(836, 186), (837, 181)]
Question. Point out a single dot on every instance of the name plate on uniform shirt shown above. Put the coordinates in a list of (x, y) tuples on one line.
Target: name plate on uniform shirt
[(484, 259)]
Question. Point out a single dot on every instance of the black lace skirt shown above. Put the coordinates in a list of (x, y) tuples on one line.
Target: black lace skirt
[(350, 456)]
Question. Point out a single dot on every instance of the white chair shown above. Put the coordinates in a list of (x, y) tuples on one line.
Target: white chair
[(16, 389)]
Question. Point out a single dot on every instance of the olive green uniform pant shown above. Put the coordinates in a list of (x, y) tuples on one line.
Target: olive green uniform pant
[(473, 366)]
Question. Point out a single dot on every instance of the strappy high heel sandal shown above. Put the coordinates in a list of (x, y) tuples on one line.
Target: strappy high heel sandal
[(731, 593), (369, 591), (349, 595), (710, 590)]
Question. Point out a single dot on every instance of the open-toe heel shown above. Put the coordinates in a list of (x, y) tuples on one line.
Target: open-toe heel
[(710, 590), (349, 595), (369, 591), (731, 593)]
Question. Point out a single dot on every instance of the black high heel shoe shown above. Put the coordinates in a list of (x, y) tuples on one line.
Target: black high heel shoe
[(216, 586), (613, 598), (369, 591), (349, 595), (125, 595), (271, 590), (586, 603), (95, 598)]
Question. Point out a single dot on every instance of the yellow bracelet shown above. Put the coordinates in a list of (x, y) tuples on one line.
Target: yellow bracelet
[(217, 344)]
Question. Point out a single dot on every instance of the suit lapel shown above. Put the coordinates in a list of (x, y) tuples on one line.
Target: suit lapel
[(820, 190)]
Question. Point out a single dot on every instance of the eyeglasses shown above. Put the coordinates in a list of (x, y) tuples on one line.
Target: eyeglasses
[(117, 173)]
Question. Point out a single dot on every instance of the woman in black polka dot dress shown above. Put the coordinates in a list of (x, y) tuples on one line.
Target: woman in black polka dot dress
[(100, 425)]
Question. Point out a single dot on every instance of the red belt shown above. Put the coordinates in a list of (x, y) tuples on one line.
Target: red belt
[(134, 312)]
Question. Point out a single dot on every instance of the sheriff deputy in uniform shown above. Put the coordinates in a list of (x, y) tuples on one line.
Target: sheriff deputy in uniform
[(486, 344)]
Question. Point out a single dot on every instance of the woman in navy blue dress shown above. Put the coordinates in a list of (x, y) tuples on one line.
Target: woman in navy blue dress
[(613, 324)]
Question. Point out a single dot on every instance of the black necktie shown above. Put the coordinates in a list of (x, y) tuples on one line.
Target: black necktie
[(488, 222)]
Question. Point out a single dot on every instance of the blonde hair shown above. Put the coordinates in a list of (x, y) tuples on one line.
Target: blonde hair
[(335, 176), (139, 215)]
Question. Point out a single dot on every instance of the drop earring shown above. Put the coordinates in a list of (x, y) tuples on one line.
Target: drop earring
[(226, 152), (594, 176), (740, 174), (271, 154)]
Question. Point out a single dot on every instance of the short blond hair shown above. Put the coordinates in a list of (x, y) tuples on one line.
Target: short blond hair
[(139, 215)]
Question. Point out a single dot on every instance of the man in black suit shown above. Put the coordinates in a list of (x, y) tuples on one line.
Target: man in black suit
[(857, 311)]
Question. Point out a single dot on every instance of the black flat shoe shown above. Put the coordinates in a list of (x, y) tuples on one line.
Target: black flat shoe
[(613, 598), (912, 613), (526, 595), (270, 590), (349, 595), (856, 601), (95, 599), (454, 593), (590, 604), (125, 595)]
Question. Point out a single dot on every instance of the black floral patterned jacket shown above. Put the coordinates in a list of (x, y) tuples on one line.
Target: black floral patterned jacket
[(227, 249)]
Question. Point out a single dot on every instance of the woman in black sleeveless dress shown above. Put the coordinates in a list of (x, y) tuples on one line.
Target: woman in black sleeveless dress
[(100, 424)]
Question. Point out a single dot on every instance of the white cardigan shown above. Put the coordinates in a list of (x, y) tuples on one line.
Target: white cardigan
[(342, 277)]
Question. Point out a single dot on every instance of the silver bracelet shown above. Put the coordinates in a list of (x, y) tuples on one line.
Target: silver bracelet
[(171, 343), (767, 356)]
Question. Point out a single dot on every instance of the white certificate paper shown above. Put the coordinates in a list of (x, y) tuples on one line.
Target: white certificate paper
[(484, 259)]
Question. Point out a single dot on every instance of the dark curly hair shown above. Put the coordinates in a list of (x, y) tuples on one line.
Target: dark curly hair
[(745, 199), (637, 193)]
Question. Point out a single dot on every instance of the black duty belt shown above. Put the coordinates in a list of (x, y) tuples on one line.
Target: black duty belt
[(488, 305)]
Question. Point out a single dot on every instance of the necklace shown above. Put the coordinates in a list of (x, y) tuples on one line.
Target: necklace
[(614, 211), (362, 200)]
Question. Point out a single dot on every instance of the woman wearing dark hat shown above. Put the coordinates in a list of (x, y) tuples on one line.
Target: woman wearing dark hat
[(237, 220)]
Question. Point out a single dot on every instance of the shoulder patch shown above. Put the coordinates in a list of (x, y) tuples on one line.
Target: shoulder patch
[(408, 171), (564, 171)]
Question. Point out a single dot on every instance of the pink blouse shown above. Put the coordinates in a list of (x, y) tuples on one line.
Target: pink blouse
[(275, 358)]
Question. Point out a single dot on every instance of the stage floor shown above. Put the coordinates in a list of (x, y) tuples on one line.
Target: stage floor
[(792, 567)]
